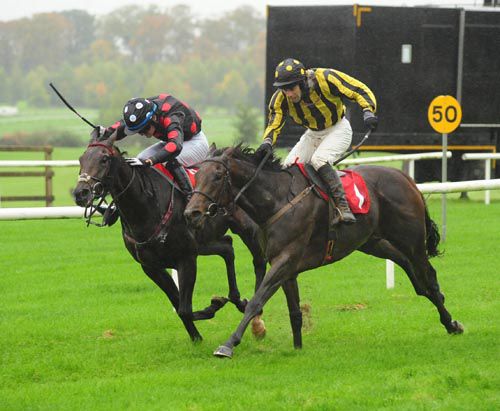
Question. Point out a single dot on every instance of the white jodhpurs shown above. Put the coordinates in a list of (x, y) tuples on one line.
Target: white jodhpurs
[(193, 151), (321, 147)]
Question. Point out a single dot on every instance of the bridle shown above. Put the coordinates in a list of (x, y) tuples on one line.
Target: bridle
[(100, 187), (214, 207)]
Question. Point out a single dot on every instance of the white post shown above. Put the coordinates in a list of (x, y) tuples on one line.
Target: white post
[(487, 176), (175, 277), (389, 274), (444, 178), (411, 169)]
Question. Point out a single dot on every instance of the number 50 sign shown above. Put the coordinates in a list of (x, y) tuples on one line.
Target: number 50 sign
[(444, 114)]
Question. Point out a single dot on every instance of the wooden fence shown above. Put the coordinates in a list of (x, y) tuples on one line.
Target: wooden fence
[(47, 174)]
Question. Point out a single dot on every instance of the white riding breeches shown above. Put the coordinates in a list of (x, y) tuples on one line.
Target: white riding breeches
[(322, 147), (193, 151)]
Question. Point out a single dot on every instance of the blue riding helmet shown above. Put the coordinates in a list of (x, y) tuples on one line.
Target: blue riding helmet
[(137, 113)]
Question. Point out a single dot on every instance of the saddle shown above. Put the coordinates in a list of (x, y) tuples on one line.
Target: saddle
[(356, 192), (191, 172)]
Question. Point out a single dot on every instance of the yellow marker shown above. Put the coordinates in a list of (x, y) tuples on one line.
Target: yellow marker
[(444, 114)]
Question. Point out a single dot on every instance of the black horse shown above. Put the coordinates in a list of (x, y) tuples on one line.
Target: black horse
[(155, 231), (295, 223)]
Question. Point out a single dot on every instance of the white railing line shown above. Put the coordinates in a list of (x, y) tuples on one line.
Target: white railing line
[(397, 157), (486, 157), (481, 156), (39, 163), (459, 186), (381, 159), (34, 213)]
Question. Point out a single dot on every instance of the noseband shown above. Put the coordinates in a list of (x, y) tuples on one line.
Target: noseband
[(100, 188), (215, 208)]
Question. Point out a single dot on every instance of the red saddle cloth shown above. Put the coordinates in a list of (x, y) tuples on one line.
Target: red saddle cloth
[(191, 172), (355, 189)]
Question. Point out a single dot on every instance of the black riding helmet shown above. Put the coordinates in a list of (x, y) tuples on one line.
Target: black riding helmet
[(137, 114), (289, 71)]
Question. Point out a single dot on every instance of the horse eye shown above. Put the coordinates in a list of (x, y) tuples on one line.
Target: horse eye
[(104, 159), (218, 176)]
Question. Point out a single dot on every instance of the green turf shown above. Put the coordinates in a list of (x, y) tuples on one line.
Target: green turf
[(83, 329)]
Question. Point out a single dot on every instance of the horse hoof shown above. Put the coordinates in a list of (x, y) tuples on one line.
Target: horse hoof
[(223, 352), (196, 339), (456, 328)]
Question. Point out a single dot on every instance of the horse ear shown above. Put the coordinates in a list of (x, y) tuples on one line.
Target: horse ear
[(228, 152), (94, 134), (212, 149)]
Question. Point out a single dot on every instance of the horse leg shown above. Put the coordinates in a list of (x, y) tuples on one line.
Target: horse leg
[(425, 276), (167, 285), (243, 226), (186, 270), (424, 269), (224, 248), (382, 248), (291, 289), (281, 267)]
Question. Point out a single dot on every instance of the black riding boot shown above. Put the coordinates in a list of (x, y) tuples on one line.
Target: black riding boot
[(181, 177), (336, 191)]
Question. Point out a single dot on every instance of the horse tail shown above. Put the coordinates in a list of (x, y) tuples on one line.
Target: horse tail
[(433, 237)]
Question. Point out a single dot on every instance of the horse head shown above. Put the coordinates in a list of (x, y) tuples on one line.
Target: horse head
[(96, 170), (214, 191)]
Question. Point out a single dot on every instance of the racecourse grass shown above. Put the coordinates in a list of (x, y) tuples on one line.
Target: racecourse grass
[(83, 329)]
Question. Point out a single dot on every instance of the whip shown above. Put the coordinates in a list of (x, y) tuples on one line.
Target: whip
[(70, 106)]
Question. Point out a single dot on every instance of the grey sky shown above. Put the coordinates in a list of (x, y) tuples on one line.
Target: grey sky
[(14, 9)]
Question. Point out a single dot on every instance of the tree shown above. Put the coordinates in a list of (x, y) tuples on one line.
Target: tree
[(247, 124), (232, 90), (82, 33), (36, 87)]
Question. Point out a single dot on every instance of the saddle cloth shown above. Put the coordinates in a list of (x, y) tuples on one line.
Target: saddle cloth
[(191, 172), (356, 192)]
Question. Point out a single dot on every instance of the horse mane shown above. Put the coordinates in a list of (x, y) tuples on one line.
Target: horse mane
[(247, 154)]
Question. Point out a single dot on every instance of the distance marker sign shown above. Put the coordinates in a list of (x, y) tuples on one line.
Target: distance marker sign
[(444, 114)]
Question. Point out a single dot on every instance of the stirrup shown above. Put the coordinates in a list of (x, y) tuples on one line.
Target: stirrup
[(347, 217)]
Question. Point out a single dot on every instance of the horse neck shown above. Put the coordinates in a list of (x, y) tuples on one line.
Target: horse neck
[(267, 193), (134, 203)]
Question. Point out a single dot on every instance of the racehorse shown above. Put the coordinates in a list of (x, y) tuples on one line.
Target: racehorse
[(295, 226), (155, 232)]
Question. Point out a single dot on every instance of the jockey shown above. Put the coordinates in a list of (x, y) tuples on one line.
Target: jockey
[(313, 98), (175, 124)]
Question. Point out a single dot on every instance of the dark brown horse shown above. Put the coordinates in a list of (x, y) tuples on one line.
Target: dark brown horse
[(155, 231), (397, 227)]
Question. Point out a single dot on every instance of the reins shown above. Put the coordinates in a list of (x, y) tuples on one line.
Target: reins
[(214, 207), (243, 189)]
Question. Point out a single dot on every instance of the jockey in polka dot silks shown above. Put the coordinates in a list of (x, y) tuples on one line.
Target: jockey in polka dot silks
[(173, 122), (314, 98)]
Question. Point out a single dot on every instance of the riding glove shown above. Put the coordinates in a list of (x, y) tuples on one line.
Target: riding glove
[(137, 162), (370, 119), (264, 148)]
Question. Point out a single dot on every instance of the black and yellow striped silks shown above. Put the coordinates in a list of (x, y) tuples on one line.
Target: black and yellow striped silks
[(321, 105)]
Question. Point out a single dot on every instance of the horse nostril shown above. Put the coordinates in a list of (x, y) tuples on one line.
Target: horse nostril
[(81, 196), (193, 216)]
